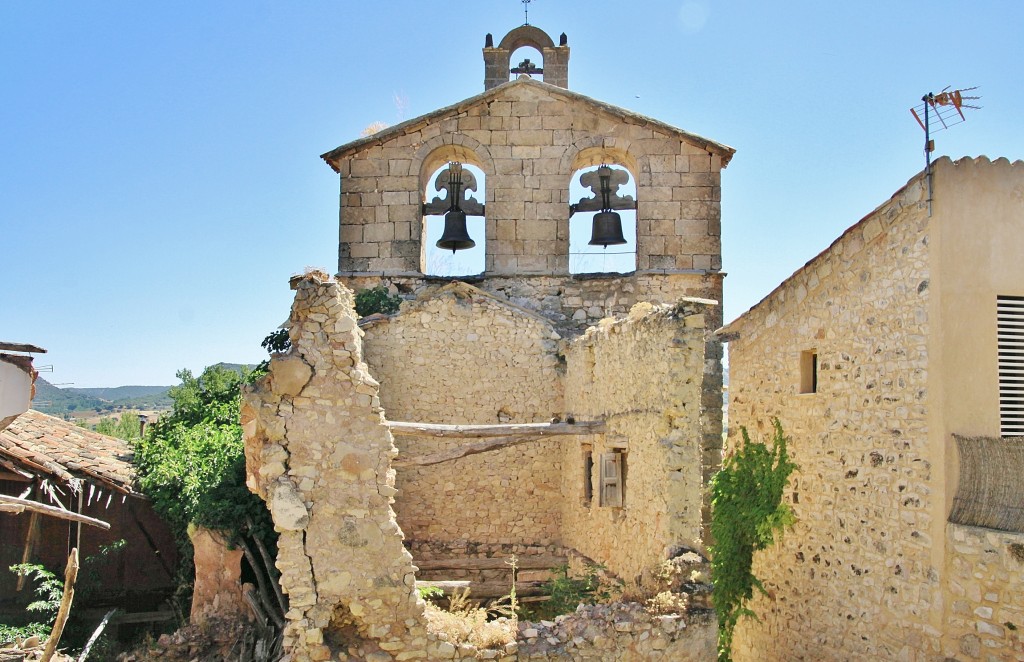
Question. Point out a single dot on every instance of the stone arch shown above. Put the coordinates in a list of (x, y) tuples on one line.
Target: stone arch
[(526, 35), (587, 154), (452, 147), (433, 156)]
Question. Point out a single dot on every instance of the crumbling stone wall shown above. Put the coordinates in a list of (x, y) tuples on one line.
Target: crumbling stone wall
[(460, 355), (574, 304), (613, 633), (857, 575), (217, 592), (642, 376), (318, 451)]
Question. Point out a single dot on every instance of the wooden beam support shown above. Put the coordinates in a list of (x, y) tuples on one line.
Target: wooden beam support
[(531, 430), (14, 504)]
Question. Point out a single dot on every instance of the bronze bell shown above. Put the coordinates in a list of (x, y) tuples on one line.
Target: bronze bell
[(607, 229), (455, 235)]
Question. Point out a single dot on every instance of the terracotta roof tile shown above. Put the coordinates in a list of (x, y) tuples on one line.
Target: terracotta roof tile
[(50, 446)]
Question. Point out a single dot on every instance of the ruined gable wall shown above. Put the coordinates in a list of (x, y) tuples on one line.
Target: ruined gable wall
[(462, 357), (528, 141), (642, 375), (318, 451), (855, 576)]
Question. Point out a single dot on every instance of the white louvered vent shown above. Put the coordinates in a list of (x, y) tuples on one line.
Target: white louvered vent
[(1010, 340)]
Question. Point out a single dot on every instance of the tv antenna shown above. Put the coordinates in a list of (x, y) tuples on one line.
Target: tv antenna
[(947, 107)]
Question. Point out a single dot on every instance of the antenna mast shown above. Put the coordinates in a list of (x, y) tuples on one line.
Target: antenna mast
[(948, 110)]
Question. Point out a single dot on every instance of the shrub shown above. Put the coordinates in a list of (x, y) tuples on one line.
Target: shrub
[(747, 513), (376, 300)]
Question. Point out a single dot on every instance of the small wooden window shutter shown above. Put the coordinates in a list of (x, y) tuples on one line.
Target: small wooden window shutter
[(611, 479)]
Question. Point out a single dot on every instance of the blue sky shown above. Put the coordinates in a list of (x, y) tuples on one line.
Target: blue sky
[(160, 176)]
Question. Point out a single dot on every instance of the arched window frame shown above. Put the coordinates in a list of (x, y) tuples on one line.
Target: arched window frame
[(580, 226), (469, 262)]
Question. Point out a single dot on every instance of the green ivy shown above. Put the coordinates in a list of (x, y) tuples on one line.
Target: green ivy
[(376, 300), (747, 513)]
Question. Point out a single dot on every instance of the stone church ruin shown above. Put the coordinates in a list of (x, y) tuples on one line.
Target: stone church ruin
[(530, 409)]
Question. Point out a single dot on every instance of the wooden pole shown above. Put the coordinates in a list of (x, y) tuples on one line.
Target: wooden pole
[(70, 575), (531, 430), (35, 506)]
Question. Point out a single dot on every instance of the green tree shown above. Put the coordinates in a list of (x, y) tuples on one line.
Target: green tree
[(124, 427), (192, 463)]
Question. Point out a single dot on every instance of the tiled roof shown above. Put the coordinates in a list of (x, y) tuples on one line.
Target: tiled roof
[(49, 446)]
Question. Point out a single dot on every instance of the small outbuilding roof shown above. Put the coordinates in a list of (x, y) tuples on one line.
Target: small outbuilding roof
[(44, 445)]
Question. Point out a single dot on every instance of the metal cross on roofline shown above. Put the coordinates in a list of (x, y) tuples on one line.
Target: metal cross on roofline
[(526, 11)]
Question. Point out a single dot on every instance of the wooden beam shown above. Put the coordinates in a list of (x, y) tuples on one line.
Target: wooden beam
[(18, 505), (522, 562), (70, 575), (20, 347), (531, 430)]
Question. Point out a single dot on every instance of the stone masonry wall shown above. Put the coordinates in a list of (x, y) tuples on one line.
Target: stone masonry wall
[(985, 619), (529, 138), (319, 452), (855, 576), (642, 375), (573, 304), (459, 355)]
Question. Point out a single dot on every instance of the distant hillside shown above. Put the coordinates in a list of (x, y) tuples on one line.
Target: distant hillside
[(115, 393), (52, 400), (56, 401)]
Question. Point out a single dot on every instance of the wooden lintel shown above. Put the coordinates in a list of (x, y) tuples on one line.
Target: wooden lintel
[(37, 507), (533, 430)]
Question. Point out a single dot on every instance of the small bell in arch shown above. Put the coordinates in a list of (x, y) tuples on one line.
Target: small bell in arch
[(455, 235), (607, 228), (456, 206)]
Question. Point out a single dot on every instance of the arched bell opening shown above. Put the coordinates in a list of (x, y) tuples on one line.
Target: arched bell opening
[(454, 241), (602, 221), (526, 61)]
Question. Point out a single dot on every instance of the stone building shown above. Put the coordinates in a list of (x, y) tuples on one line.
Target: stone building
[(892, 360), (525, 407)]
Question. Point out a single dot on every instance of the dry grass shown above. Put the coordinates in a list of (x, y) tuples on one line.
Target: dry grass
[(464, 622)]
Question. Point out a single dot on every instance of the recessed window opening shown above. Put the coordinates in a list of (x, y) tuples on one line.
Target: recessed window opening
[(809, 371), (602, 240), (461, 231), (1010, 349), (588, 475), (526, 61)]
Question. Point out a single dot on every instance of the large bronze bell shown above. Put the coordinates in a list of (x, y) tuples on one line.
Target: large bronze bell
[(606, 231), (455, 235)]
